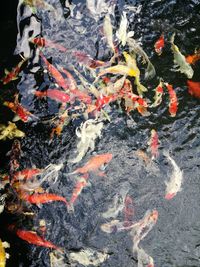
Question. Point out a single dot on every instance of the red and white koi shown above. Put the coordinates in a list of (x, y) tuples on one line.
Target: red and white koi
[(159, 45), (54, 94), (55, 73), (154, 143), (42, 42), (128, 211), (173, 104), (12, 75), (193, 88), (173, 186), (88, 61), (104, 100)]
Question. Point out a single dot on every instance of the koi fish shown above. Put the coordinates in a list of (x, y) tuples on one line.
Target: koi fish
[(159, 45), (54, 94), (192, 59), (121, 33), (108, 31), (143, 227), (143, 155), (43, 198), (104, 100), (173, 186), (118, 69), (10, 131), (12, 75), (63, 120), (73, 88), (34, 239), (88, 133), (3, 254), (194, 88), (137, 49), (34, 4), (55, 73), (173, 104), (131, 62), (88, 61), (15, 155), (144, 259), (128, 211), (180, 60), (77, 190), (18, 109), (158, 95), (42, 42), (154, 142), (94, 164), (25, 174)]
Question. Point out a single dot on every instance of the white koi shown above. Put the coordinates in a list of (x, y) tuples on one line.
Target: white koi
[(108, 31), (180, 60), (173, 186)]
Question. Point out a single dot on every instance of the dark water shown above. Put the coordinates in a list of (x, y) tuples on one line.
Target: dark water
[(175, 239)]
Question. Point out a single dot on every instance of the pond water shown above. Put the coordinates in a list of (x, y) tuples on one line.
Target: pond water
[(174, 240)]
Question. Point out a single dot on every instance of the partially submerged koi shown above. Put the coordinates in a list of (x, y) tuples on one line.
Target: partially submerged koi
[(12, 75), (154, 143), (128, 211), (42, 42), (159, 45), (193, 88), (173, 186), (54, 94), (173, 104), (94, 164), (180, 60)]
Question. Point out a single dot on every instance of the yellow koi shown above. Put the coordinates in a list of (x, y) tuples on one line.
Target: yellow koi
[(10, 131), (119, 69), (3, 254)]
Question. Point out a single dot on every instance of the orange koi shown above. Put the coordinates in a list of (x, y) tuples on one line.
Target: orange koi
[(77, 190), (154, 142), (173, 105), (54, 94), (42, 198), (32, 238), (12, 75), (73, 88), (42, 42), (193, 88), (17, 108), (94, 164), (55, 73), (128, 211), (159, 45), (192, 59), (25, 174)]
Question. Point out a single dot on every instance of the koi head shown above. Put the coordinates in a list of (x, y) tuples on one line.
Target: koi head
[(169, 196), (10, 105), (154, 215)]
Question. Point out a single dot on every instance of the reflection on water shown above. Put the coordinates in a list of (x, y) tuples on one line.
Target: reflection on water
[(78, 26)]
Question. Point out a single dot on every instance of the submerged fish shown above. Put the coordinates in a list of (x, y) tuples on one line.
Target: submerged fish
[(34, 239), (54, 94), (121, 33), (154, 143), (94, 164), (180, 60), (108, 31), (159, 45), (88, 133), (173, 186), (173, 100), (3, 254), (10, 131), (25, 174), (192, 59), (158, 94), (77, 190), (193, 88), (42, 42)]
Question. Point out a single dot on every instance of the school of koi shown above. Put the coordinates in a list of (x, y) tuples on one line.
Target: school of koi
[(115, 82)]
